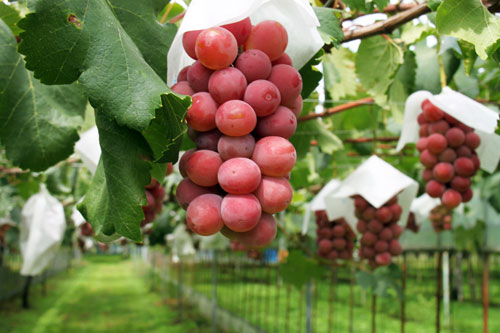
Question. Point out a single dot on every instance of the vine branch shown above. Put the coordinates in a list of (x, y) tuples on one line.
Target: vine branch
[(337, 109)]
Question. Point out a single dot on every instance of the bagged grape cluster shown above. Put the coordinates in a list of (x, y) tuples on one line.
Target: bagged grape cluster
[(335, 239), (447, 150), (440, 218), (380, 231), (246, 99)]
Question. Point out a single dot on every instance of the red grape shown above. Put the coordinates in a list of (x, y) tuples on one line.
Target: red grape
[(201, 115), (274, 194), (455, 137), (260, 236), (369, 238), (443, 172), (383, 259), (381, 246), (254, 64), (198, 76), (189, 41), (240, 212), (226, 84), (436, 143), (431, 112), (239, 175), (472, 140), (460, 184), (422, 144), (216, 48), (339, 243), (288, 81), (235, 118), (463, 151), (182, 76), (204, 214), (284, 59), (236, 146), (338, 231), (325, 246), (434, 189), (386, 234), (208, 140), (202, 167), (448, 155), (375, 226), (187, 191), (395, 248), (296, 107), (263, 96), (241, 30), (464, 167), (384, 214), (274, 155), (440, 127), (427, 175), (361, 226), (281, 123), (428, 159), (269, 37), (451, 198), (182, 88), (467, 195)]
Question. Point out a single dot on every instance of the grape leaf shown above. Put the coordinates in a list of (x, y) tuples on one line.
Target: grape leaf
[(10, 16), (468, 54), (340, 77), (402, 86), (314, 130), (466, 84), (38, 123), (310, 74), (138, 19), (329, 29), (471, 21), (377, 61), (298, 269), (66, 40), (381, 4), (412, 33), (359, 5), (114, 200)]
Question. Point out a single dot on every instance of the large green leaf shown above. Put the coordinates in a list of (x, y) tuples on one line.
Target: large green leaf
[(298, 269), (471, 21), (340, 77), (153, 39), (402, 86), (38, 123), (377, 61), (310, 74), (114, 200), (329, 29), (10, 16), (66, 40)]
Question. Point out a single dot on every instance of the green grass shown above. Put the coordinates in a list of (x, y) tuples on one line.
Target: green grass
[(105, 295)]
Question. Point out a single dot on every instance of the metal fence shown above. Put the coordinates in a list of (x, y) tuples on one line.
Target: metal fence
[(239, 294), (12, 283)]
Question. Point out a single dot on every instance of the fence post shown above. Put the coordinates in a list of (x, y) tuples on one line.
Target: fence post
[(486, 296), (309, 307), (214, 291), (446, 288), (179, 288)]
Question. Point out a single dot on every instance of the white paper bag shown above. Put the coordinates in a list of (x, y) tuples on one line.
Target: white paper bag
[(88, 149), (41, 231), (318, 203), (297, 16), (377, 181), (462, 108), (422, 206)]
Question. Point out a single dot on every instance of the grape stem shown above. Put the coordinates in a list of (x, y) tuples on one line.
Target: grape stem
[(337, 109)]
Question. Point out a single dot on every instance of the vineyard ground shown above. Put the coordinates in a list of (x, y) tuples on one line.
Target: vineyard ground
[(104, 295)]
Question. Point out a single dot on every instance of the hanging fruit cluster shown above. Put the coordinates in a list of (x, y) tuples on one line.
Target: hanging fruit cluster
[(155, 193), (244, 110), (379, 229), (335, 239), (440, 218)]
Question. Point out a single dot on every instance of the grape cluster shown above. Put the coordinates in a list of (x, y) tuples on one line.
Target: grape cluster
[(379, 229), (447, 150), (411, 224), (440, 218), (244, 110), (335, 238), (154, 194)]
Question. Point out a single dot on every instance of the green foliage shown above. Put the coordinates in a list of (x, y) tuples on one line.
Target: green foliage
[(412, 33), (298, 269), (38, 123), (340, 76), (310, 74), (381, 280), (471, 21), (330, 29), (10, 16), (314, 130), (377, 61)]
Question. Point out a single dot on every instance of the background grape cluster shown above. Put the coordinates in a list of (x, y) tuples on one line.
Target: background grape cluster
[(246, 99), (379, 229), (335, 238)]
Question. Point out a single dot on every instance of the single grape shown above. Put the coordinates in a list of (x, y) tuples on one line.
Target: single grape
[(288, 81), (226, 84), (201, 115), (208, 140), (423, 131), (339, 243), (236, 146), (448, 155), (396, 211), (451, 198), (427, 175), (455, 137), (338, 231), (274, 155), (284, 59), (369, 213), (422, 144), (254, 64), (428, 159), (202, 167), (274, 194), (183, 74), (384, 214), (235, 118), (383, 259), (198, 76), (369, 238), (263, 96), (297, 106), (381, 246), (443, 172), (182, 88), (472, 140), (324, 233), (375, 226), (281, 123), (216, 48), (464, 167), (187, 191), (463, 151), (239, 175), (204, 215), (361, 226), (436, 143), (325, 246), (189, 41), (460, 184), (360, 202), (396, 230), (386, 234), (431, 112), (367, 252), (240, 30), (262, 235), (421, 119), (467, 195), (240, 212), (434, 189), (270, 37), (395, 247), (183, 162)]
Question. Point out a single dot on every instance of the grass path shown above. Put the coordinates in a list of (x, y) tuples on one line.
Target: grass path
[(105, 295)]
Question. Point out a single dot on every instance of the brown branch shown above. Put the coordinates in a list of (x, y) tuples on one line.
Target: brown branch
[(337, 109), (11, 171), (386, 26), (363, 140)]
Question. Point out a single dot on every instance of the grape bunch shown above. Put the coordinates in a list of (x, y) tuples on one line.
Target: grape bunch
[(440, 218), (335, 238), (244, 110), (379, 229), (154, 194), (447, 150)]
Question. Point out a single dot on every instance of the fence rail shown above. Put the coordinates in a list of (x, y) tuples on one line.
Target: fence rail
[(239, 294), (12, 282)]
